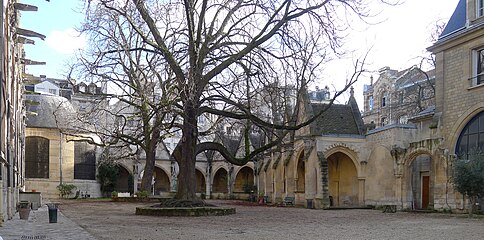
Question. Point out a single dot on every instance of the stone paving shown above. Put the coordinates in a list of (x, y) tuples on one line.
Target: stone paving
[(38, 227)]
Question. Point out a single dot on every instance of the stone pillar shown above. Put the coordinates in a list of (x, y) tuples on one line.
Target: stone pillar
[(361, 191), (398, 191), (174, 176), (323, 162)]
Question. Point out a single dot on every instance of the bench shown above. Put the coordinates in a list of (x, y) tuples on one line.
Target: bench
[(289, 201), (389, 208)]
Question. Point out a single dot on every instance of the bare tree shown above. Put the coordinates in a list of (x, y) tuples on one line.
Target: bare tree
[(223, 57), (138, 83)]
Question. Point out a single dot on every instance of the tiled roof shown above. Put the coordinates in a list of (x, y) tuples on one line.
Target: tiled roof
[(457, 21), (338, 119)]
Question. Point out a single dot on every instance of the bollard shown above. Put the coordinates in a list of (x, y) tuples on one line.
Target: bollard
[(52, 213)]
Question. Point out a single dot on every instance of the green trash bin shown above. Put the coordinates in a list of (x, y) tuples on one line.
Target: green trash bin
[(52, 213)]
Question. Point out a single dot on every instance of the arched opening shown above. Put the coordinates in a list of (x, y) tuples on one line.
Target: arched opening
[(301, 174), (220, 181), (200, 181), (244, 181), (419, 182), (471, 139), (123, 181), (162, 182), (343, 181)]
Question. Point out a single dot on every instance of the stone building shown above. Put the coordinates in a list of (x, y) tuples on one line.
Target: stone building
[(398, 95), (53, 157), (13, 61), (405, 158)]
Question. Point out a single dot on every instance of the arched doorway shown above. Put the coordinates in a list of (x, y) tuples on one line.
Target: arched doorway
[(124, 181), (244, 181), (343, 180), (162, 182), (419, 183), (220, 181), (301, 174), (200, 181)]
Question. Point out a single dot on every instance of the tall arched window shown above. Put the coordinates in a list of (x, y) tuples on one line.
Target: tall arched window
[(471, 139), (84, 161), (36, 157)]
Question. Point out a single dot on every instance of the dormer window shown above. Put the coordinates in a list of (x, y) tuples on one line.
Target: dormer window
[(480, 8)]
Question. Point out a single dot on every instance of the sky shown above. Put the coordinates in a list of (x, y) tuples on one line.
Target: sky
[(397, 36)]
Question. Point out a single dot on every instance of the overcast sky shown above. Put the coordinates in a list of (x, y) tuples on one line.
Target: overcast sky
[(400, 34)]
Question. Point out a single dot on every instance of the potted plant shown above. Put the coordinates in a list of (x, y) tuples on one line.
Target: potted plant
[(23, 208)]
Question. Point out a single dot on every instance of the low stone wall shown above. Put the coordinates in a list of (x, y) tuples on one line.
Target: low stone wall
[(185, 212)]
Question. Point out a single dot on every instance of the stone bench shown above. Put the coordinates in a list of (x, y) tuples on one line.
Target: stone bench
[(289, 201), (389, 208), (124, 194)]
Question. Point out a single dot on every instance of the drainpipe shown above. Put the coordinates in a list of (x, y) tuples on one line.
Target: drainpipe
[(60, 157)]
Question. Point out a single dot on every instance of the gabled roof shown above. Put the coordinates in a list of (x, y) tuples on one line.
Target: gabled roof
[(458, 20), (338, 119)]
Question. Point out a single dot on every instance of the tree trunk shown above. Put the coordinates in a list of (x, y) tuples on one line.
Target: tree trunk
[(152, 142), (146, 181), (472, 205), (187, 176)]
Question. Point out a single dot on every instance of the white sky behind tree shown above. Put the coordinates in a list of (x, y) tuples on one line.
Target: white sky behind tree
[(397, 36)]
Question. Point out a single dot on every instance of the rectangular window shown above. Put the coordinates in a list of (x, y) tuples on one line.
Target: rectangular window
[(480, 8), (53, 91), (84, 161), (370, 103), (36, 157), (477, 67)]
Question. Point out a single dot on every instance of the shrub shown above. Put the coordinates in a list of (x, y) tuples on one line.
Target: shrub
[(469, 178), (107, 175), (142, 194), (65, 189)]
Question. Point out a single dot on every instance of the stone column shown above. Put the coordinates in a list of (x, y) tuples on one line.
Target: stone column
[(174, 176), (323, 162), (361, 191)]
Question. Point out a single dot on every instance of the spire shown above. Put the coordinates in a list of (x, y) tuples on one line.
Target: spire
[(352, 91)]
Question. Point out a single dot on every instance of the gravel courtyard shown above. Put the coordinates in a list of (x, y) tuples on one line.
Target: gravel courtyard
[(109, 220)]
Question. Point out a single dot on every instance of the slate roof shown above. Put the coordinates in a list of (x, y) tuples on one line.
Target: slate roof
[(338, 119), (43, 108), (411, 76), (457, 21)]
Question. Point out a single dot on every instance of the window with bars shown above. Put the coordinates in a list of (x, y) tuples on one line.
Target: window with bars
[(471, 139), (36, 157), (84, 161)]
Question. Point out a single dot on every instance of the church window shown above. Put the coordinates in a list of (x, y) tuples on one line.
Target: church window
[(36, 157), (84, 161), (471, 139)]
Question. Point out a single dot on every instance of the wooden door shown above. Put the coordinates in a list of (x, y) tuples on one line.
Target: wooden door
[(425, 191)]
